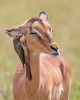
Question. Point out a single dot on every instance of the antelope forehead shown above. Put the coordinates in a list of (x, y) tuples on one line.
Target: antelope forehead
[(36, 30), (42, 27), (43, 24)]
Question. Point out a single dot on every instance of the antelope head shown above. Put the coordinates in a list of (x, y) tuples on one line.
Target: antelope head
[(38, 35)]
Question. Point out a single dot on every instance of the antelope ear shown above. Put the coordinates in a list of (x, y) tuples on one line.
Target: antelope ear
[(43, 16), (13, 32)]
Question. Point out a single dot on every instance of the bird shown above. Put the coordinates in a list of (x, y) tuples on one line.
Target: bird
[(20, 52)]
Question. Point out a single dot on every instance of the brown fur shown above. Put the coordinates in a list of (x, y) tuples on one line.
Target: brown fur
[(51, 75)]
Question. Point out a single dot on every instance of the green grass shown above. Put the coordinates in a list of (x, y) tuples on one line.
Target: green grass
[(65, 20)]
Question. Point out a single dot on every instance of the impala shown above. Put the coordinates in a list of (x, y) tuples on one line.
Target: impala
[(51, 73)]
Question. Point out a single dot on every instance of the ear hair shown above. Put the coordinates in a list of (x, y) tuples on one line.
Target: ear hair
[(43, 16)]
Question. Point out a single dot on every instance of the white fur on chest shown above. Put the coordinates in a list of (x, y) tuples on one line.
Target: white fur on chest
[(56, 92)]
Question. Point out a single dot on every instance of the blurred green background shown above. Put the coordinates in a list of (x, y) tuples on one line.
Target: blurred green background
[(64, 17)]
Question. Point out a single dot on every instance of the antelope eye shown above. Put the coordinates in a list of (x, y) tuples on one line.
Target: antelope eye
[(35, 34), (33, 31)]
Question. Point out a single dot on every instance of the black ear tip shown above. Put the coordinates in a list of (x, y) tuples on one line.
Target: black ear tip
[(6, 31)]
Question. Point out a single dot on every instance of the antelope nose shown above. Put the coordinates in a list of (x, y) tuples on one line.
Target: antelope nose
[(55, 50)]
